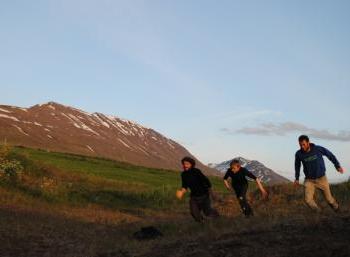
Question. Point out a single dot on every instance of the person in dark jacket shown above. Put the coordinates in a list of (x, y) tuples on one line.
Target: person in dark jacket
[(201, 190), (311, 156), (239, 184)]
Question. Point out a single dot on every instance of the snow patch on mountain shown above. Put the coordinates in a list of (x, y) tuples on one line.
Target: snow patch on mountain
[(8, 117), (51, 107), (171, 145), (3, 110), (101, 121), (19, 108), (78, 123), (90, 148), (125, 144), (20, 130), (123, 128)]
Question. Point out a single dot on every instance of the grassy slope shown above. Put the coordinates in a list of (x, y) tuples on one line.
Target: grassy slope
[(65, 180), (82, 206)]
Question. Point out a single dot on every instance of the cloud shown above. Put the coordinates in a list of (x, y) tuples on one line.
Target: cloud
[(282, 129)]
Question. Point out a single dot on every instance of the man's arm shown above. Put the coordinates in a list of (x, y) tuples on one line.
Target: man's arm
[(297, 166), (331, 157), (258, 182), (181, 192), (227, 185), (261, 188), (250, 175), (226, 182)]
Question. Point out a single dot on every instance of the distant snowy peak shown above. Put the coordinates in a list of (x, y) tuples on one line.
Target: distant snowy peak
[(267, 175), (58, 127)]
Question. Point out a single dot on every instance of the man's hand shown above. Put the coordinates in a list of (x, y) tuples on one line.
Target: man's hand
[(296, 183), (265, 194), (180, 194), (341, 170), (262, 189), (227, 185), (229, 189)]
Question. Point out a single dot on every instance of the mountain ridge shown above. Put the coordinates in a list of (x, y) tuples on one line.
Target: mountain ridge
[(57, 127)]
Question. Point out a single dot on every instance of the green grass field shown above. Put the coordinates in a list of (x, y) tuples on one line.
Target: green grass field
[(59, 178)]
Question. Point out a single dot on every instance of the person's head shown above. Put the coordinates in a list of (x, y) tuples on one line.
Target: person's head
[(235, 165), (188, 163), (304, 143)]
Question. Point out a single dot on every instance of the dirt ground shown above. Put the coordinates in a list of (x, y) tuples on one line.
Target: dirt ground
[(281, 227), (329, 237), (322, 235)]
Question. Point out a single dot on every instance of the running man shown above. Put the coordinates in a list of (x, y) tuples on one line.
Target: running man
[(200, 186), (311, 156), (239, 184)]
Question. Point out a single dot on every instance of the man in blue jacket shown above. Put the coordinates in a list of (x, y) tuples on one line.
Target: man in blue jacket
[(311, 156)]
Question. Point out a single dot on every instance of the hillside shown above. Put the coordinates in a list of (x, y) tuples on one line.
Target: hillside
[(267, 175), (61, 128), (69, 205)]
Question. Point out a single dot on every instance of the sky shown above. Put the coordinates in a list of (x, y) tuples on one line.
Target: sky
[(223, 78)]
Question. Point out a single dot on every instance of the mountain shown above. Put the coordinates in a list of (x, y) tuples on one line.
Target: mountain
[(61, 128), (267, 175)]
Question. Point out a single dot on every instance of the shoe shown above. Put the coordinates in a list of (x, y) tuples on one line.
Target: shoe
[(248, 213), (335, 207)]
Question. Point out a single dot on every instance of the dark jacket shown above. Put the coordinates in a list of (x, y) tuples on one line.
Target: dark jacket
[(196, 181), (239, 180), (313, 163)]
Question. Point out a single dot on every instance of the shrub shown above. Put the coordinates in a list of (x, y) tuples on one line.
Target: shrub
[(11, 169), (4, 152)]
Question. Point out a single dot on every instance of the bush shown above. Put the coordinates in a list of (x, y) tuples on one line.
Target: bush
[(9, 168), (4, 152)]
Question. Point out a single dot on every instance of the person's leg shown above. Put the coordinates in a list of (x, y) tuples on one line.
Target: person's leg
[(243, 202), (322, 184), (195, 210), (310, 193), (208, 209)]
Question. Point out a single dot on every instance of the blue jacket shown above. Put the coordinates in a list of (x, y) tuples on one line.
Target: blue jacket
[(313, 163)]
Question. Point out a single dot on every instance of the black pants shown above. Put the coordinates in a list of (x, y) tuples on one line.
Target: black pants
[(199, 204), (241, 194)]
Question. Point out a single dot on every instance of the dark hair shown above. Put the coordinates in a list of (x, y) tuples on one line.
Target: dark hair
[(304, 138), (235, 161), (190, 160)]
